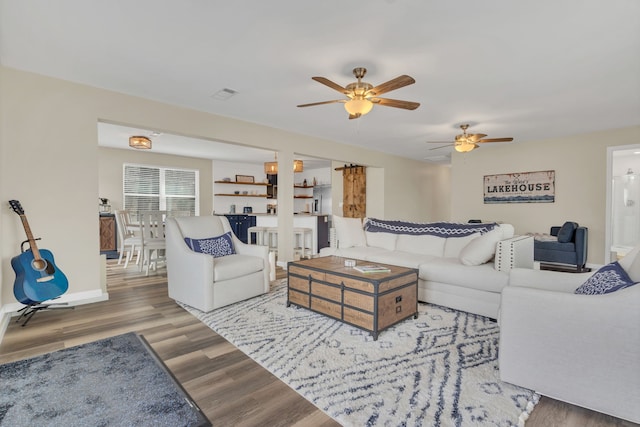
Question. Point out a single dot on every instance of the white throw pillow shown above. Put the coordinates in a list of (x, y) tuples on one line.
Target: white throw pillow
[(481, 249), (507, 231), (454, 245), (349, 232), (631, 264)]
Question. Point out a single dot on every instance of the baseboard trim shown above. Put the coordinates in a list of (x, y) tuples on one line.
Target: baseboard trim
[(77, 298)]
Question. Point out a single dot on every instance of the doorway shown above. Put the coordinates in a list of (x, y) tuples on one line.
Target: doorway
[(623, 201)]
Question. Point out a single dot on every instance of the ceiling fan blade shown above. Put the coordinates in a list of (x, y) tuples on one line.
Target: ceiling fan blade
[(442, 146), (475, 137), (331, 84), (322, 103), (496, 140), (407, 105), (394, 84)]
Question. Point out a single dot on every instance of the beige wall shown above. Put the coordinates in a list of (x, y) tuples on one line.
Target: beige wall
[(110, 161), (580, 165), (50, 160)]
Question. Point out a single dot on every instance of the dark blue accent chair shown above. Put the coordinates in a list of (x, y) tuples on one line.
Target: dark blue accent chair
[(573, 252)]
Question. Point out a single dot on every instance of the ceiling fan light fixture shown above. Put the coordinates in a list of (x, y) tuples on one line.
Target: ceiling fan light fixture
[(464, 147), (140, 142), (358, 106)]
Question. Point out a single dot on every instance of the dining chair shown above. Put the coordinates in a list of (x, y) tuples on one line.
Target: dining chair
[(129, 237), (153, 242)]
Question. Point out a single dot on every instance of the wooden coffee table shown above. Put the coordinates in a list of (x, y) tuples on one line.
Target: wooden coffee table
[(369, 301)]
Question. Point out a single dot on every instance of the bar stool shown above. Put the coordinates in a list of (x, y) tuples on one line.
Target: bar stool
[(260, 234), (271, 237), (300, 235)]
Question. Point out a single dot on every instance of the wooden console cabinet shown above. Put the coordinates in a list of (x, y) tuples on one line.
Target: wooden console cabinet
[(108, 235)]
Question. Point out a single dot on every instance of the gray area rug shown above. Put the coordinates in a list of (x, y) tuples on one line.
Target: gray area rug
[(112, 382), (438, 370)]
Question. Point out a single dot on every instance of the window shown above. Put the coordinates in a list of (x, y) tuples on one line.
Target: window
[(149, 188)]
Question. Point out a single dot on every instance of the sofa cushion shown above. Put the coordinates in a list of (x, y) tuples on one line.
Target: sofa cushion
[(217, 246), (451, 271), (631, 264), (565, 234), (423, 245), (481, 249), (232, 266), (454, 245), (400, 258), (607, 279), (358, 252), (349, 232), (381, 240)]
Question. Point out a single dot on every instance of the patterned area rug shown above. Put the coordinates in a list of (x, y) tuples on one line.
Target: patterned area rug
[(116, 381), (438, 370)]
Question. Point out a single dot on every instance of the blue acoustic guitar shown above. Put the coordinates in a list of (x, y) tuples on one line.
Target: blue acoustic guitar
[(37, 277)]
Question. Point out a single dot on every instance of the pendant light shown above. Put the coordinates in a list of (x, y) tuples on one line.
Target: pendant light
[(271, 168)]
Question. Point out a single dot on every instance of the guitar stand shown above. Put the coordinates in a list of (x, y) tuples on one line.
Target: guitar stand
[(29, 310)]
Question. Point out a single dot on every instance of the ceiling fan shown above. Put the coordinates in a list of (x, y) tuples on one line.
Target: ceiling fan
[(466, 142), (362, 95)]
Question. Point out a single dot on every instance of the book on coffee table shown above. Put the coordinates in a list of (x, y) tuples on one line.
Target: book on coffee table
[(371, 268)]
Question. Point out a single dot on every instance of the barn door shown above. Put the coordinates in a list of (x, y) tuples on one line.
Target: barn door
[(354, 200)]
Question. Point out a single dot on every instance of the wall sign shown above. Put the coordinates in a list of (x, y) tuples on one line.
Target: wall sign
[(523, 187)]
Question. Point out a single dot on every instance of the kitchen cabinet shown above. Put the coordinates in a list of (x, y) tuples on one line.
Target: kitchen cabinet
[(240, 225)]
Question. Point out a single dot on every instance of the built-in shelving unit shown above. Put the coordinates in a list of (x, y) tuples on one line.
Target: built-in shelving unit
[(264, 184), (302, 194), (240, 193)]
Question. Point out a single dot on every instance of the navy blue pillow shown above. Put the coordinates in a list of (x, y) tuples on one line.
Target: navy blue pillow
[(607, 279), (565, 234), (218, 246)]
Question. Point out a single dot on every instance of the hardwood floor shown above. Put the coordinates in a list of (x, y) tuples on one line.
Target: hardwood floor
[(230, 388)]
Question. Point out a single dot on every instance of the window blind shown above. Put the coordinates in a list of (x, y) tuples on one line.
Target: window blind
[(159, 188)]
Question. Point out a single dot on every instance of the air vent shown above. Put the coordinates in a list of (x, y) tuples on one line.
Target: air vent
[(224, 94)]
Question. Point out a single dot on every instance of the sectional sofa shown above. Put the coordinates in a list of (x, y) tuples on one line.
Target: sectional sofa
[(455, 262), (575, 337)]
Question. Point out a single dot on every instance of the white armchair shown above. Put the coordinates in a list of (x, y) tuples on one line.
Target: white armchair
[(581, 349), (204, 282)]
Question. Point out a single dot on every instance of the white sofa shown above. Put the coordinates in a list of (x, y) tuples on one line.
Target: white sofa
[(456, 272), (204, 282), (581, 349)]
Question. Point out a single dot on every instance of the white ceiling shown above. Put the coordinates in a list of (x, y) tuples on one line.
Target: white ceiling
[(530, 70)]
